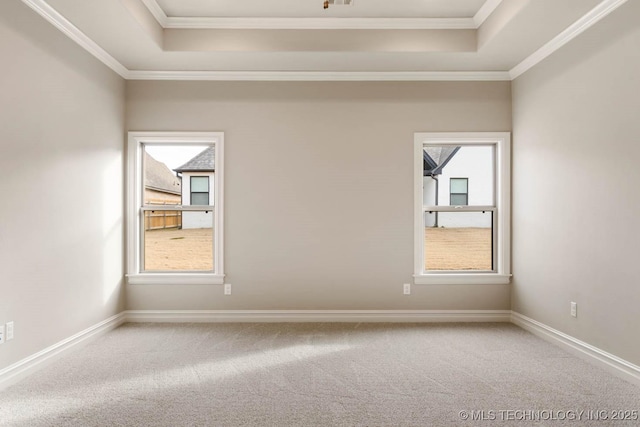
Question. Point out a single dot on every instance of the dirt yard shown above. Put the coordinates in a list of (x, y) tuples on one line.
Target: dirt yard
[(192, 249), (457, 248), (174, 250)]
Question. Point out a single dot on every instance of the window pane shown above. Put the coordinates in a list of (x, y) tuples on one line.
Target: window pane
[(179, 249), (177, 241), (199, 198), (443, 163), (162, 186), (458, 199), (458, 241), (200, 184), (458, 185)]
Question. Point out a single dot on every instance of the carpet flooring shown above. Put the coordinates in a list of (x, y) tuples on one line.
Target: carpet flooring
[(319, 374)]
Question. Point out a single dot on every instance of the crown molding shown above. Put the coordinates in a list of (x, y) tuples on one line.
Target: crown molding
[(157, 12), (593, 16), (61, 23), (319, 23), (321, 75), (485, 11), (175, 22)]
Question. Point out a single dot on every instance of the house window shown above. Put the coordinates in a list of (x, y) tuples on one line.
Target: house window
[(199, 190), (459, 191), (174, 208), (462, 238)]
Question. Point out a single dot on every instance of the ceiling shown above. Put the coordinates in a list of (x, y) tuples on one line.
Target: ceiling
[(300, 40), (314, 9)]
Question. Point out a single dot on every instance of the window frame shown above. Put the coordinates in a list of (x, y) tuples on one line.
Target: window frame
[(501, 208), (135, 189)]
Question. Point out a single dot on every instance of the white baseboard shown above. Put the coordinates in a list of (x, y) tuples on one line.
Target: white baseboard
[(611, 363), (318, 316), (14, 373)]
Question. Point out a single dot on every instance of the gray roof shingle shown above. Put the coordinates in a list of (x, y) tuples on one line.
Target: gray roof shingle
[(158, 176), (203, 162), (437, 157)]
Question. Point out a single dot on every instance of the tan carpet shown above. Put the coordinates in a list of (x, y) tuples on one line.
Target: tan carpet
[(317, 374)]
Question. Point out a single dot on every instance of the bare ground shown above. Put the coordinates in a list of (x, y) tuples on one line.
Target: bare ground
[(173, 249), (192, 249), (457, 248)]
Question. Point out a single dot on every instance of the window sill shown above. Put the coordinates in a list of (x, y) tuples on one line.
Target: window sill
[(462, 279), (175, 279)]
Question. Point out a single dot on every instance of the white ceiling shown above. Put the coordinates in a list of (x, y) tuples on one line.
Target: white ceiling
[(299, 40), (314, 9)]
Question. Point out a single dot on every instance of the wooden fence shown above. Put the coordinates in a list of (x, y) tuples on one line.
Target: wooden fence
[(157, 220)]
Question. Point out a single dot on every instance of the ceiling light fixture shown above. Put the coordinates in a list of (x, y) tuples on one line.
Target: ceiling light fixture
[(326, 3)]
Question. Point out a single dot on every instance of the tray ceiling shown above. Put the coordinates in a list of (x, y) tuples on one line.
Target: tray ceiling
[(314, 9), (299, 40)]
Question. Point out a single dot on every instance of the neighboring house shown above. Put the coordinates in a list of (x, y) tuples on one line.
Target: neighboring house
[(198, 175), (458, 176), (161, 186)]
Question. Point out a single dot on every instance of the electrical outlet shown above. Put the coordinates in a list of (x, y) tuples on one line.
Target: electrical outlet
[(574, 309), (406, 289), (9, 331), (1, 334), (227, 289)]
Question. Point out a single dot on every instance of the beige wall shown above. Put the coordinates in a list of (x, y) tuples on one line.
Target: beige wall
[(61, 145), (318, 188), (576, 202)]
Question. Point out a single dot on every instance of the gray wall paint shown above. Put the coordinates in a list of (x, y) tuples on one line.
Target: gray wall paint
[(318, 188), (576, 229), (61, 229)]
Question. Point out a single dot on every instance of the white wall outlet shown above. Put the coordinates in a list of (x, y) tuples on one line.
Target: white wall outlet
[(227, 288), (1, 334), (406, 289), (574, 309), (9, 331)]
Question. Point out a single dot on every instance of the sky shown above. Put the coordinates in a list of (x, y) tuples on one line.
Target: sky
[(174, 155)]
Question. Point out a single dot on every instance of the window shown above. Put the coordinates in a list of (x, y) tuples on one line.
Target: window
[(459, 191), (174, 208), (462, 237), (199, 190)]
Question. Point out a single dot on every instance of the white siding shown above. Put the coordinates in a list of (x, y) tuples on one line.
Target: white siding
[(196, 219), (477, 165)]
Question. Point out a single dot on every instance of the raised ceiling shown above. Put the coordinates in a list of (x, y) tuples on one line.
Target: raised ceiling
[(300, 40), (314, 9)]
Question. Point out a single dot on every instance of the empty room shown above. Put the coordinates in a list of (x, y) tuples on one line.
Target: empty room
[(309, 212)]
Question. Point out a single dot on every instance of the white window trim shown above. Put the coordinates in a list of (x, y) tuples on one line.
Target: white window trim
[(502, 142), (134, 202)]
